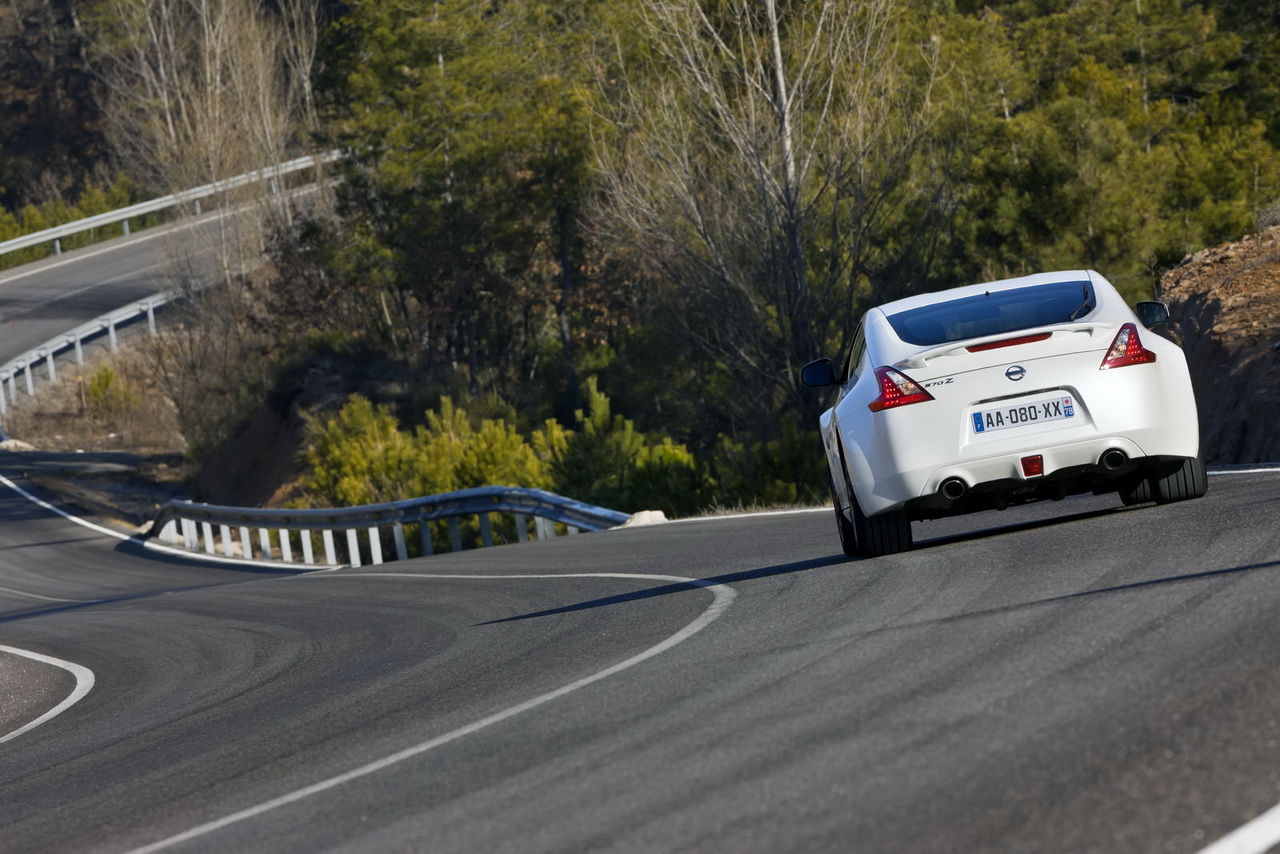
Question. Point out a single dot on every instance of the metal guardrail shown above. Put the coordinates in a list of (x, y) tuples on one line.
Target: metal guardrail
[(283, 533), (58, 232), (47, 352)]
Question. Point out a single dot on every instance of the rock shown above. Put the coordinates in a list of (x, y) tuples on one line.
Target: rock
[(645, 517), (1224, 305), (15, 445)]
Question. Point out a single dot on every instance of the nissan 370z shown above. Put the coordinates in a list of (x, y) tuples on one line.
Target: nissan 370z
[(996, 394)]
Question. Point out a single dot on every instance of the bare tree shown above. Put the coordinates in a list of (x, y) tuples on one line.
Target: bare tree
[(753, 168), (197, 91)]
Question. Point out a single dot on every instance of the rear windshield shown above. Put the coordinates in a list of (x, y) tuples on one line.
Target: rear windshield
[(994, 313)]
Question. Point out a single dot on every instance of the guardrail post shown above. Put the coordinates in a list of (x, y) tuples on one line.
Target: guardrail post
[(264, 540), (353, 547), (424, 534), (375, 546), (13, 387), (286, 547), (169, 533), (571, 529), (455, 535), (49, 367), (225, 531), (31, 384), (188, 534), (330, 553), (522, 527), (79, 352), (308, 556), (486, 531), (402, 550), (57, 246), (207, 530), (126, 228), (111, 332), (246, 550), (151, 318), (545, 528)]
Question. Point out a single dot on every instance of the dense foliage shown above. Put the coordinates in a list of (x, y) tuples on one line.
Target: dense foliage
[(678, 202)]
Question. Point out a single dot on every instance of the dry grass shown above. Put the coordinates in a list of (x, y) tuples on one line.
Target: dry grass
[(111, 403)]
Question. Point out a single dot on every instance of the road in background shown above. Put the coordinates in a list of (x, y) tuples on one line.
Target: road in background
[(1062, 677), (44, 299)]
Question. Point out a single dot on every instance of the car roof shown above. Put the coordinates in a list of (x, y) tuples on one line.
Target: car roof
[(984, 287)]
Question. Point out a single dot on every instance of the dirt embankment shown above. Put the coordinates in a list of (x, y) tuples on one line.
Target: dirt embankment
[(1225, 311)]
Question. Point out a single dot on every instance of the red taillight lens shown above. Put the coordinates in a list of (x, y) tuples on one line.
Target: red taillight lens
[(1033, 466), (1127, 349), (897, 389)]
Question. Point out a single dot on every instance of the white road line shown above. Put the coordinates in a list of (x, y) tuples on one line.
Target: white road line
[(151, 544), (724, 597), (84, 684), (1261, 470), (1256, 837)]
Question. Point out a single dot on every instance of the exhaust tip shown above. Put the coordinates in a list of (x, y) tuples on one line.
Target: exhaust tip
[(953, 488), (1114, 459)]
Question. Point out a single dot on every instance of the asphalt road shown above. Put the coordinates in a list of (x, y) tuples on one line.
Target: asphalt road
[(1065, 677), (44, 299)]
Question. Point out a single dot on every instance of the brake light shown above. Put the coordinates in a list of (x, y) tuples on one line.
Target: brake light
[(1126, 350), (1008, 342), (897, 389)]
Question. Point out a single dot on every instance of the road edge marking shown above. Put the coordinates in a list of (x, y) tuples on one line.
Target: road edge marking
[(161, 547), (723, 598), (84, 684), (1256, 837)]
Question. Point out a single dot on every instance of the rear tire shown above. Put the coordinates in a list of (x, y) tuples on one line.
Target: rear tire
[(1189, 480), (1140, 493), (882, 534), (848, 539)]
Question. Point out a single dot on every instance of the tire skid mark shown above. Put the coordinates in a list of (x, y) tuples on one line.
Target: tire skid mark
[(723, 598)]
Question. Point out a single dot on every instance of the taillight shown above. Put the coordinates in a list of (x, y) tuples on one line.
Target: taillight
[(1127, 349), (897, 389)]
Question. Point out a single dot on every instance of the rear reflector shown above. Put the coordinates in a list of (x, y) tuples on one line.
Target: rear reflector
[(1008, 342), (1127, 349), (897, 389), (1033, 466)]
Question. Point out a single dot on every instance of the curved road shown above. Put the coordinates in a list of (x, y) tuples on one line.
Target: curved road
[(1064, 677)]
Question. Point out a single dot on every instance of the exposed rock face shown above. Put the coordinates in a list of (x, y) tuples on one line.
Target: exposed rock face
[(1225, 311)]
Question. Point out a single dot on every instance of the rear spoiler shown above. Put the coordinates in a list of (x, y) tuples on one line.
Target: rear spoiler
[(924, 357)]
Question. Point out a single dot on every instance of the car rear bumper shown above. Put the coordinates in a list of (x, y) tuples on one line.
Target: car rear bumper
[(895, 474)]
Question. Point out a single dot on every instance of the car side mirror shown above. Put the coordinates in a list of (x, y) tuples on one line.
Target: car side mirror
[(1152, 313), (819, 374)]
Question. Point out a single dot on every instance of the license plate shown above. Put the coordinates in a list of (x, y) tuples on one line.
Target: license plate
[(1023, 414)]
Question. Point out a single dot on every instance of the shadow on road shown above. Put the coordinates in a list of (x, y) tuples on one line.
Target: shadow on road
[(1030, 525), (681, 587)]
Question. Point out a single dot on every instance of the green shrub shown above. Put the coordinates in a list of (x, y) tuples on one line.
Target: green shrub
[(108, 395), (360, 456), (609, 463), (788, 470)]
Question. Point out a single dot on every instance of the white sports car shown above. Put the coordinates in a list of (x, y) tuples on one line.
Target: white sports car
[(991, 395)]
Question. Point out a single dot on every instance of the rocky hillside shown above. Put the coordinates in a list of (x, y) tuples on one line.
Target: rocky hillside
[(1225, 306)]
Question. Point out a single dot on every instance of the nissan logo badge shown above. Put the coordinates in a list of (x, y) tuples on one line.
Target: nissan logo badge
[(1016, 372)]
